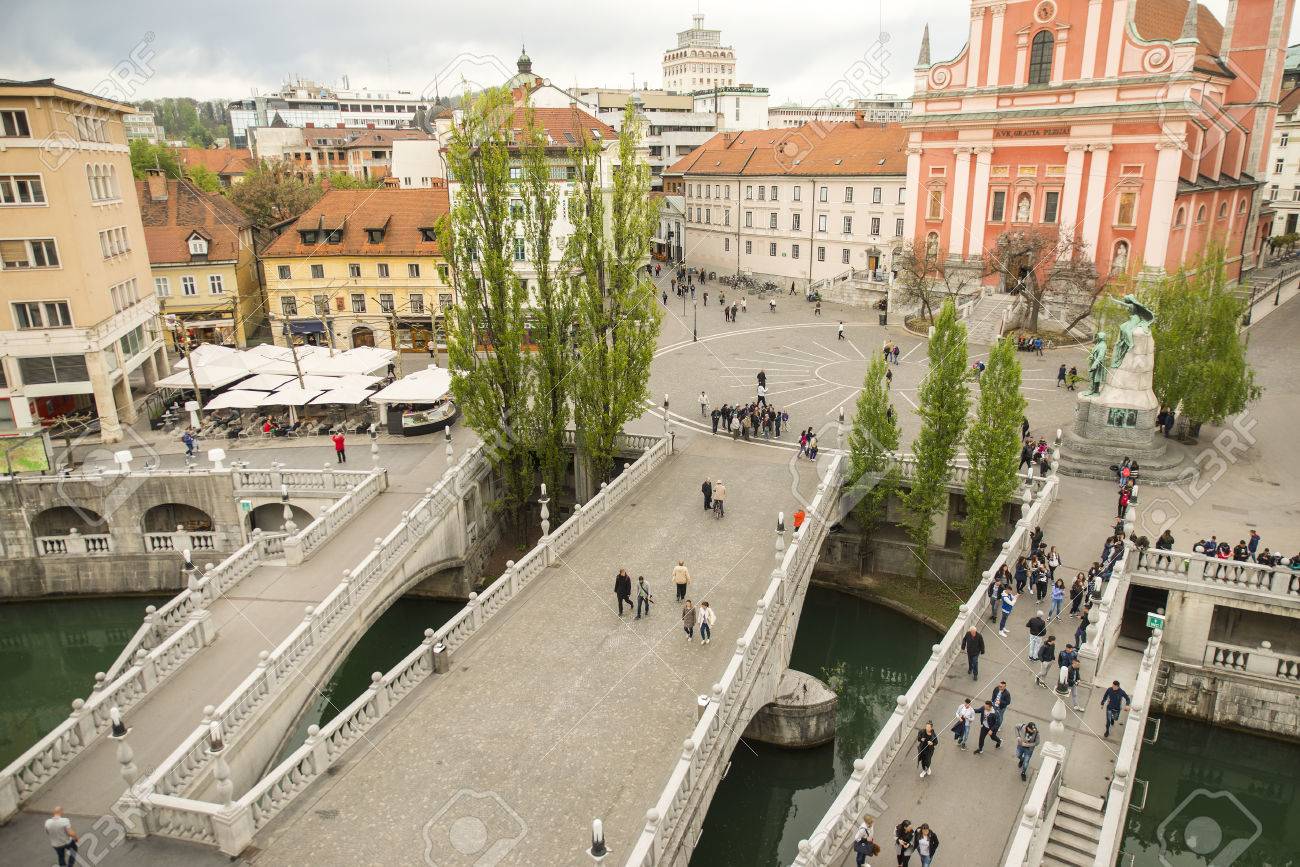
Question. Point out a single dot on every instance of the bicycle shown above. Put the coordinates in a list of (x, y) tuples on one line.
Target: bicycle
[(717, 509)]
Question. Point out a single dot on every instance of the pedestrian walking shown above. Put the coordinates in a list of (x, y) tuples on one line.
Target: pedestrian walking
[(1001, 697), (1026, 741), (1024, 427), (681, 577), (665, 297), (771, 305), (720, 498), (817, 309), (864, 843), (644, 599), (704, 405), (927, 739), (713, 417), (706, 297), (623, 590), (62, 837), (1008, 605), (340, 447), (965, 717), (895, 353), (706, 618), (1047, 658), (187, 440), (903, 837), (744, 307), (707, 490), (431, 347), (1058, 599), (926, 844), (688, 620), (990, 721), (1060, 376), (1081, 634), (1037, 630), (1072, 682), (889, 378), (1113, 700), (840, 332), (973, 643), (1071, 379)]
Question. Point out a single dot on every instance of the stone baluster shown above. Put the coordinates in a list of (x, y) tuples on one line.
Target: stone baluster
[(475, 612), (264, 666), (309, 618), (512, 581), (148, 669), (83, 721), (377, 685), (317, 755)]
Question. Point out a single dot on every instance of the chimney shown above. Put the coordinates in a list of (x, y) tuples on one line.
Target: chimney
[(157, 185), (310, 125)]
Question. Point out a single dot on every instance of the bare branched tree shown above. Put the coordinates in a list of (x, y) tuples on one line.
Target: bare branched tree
[(1040, 263), (925, 276)]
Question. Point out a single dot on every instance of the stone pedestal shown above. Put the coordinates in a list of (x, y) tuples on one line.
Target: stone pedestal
[(802, 716), (1120, 422)]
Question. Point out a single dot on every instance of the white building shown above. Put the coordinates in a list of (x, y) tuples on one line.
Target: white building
[(667, 136), (418, 163), (735, 107), (668, 240), (303, 103), (831, 208), (1282, 186), (142, 125), (882, 108), (699, 60)]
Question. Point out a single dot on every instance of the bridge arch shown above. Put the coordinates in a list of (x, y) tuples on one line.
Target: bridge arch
[(166, 517), (269, 517), (61, 520)]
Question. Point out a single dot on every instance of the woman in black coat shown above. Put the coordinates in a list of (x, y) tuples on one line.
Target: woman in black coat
[(903, 837), (926, 740), (926, 844)]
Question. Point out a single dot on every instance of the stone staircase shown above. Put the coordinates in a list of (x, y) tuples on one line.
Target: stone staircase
[(984, 324), (1075, 832)]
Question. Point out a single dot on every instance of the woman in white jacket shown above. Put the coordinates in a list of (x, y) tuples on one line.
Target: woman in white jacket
[(706, 619)]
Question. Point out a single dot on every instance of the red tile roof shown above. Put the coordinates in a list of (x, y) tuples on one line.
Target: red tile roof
[(169, 223), (565, 126), (1163, 19), (1289, 101), (814, 149), (220, 161), (403, 213)]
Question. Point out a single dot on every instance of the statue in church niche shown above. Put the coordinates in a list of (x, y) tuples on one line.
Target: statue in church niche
[(1022, 208)]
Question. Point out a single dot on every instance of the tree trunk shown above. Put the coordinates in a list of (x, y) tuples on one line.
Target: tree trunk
[(1035, 304)]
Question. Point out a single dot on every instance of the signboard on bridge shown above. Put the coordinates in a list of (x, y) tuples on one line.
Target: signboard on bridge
[(1155, 621), (245, 506)]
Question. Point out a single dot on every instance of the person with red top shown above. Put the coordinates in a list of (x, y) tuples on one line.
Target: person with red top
[(798, 519), (339, 451)]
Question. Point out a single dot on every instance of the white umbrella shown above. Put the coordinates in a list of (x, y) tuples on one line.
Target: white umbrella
[(210, 353), (427, 386), (290, 395), (236, 399), (265, 382), (206, 376), (347, 396)]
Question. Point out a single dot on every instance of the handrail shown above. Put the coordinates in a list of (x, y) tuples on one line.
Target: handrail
[(1279, 583), (1262, 662), (1026, 836), (307, 541)]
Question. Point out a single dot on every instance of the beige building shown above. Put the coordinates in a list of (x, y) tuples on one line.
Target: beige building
[(78, 319)]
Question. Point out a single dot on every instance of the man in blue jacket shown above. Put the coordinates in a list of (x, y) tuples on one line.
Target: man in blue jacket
[(1113, 700)]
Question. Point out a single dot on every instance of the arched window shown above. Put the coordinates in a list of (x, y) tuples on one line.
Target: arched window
[(1241, 206), (1119, 261), (1180, 218), (1040, 58), (1200, 214), (1223, 210)]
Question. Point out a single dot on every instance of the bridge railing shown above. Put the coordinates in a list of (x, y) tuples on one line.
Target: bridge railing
[(830, 840), (1027, 838), (1260, 662), (1279, 582), (327, 481), (303, 544), (721, 720), (231, 827), (906, 464)]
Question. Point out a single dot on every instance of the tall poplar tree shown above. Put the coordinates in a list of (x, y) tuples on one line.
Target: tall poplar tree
[(617, 317), (943, 398), (485, 328), (993, 448), (873, 440)]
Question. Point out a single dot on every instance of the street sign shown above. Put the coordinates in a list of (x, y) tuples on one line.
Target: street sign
[(245, 505), (1155, 621)]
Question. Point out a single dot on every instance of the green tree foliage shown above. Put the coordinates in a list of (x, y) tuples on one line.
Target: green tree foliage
[(345, 181), (145, 156), (203, 178), (486, 329), (270, 193), (200, 123), (944, 398), (873, 440), (993, 448), (552, 308), (1200, 366), (618, 319)]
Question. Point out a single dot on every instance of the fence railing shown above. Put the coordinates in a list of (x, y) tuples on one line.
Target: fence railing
[(830, 840), (1026, 840), (1261, 662), (303, 544), (74, 544), (721, 723), (231, 827), (1281, 583)]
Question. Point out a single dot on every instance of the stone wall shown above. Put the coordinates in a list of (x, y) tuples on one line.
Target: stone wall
[(96, 576), (1231, 700)]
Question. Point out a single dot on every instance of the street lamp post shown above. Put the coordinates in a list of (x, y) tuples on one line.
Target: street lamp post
[(695, 324)]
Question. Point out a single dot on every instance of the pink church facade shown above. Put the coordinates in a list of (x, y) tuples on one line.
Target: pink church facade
[(1139, 128)]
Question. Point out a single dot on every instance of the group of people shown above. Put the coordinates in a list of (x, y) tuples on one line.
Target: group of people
[(701, 617), (1069, 378), (715, 497), (908, 840), (744, 421), (1025, 343), (1246, 550), (1035, 455)]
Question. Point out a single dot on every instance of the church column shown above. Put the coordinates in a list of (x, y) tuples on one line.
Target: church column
[(960, 189), (979, 200), (995, 44), (976, 46), (1073, 183), (1160, 220), (912, 211), (1090, 40), (1115, 42), (1095, 202), (1058, 57)]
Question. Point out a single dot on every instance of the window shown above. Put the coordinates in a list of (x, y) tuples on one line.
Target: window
[(198, 245), (844, 256), (1051, 205), (821, 254), (875, 195), (794, 251), (188, 286), (708, 194), (762, 193), (413, 269), (444, 300), (1126, 209), (1277, 166), (1180, 218), (727, 192), (795, 220), (375, 236), (318, 272), (1223, 210), (444, 272), (1272, 193), (1241, 207), (898, 228), (161, 287), (519, 249), (42, 314), (934, 205), (354, 270), (215, 285), (902, 195), (516, 173), (726, 245), (90, 128), (288, 305), (321, 303), (848, 195), (1040, 58), (334, 236), (358, 302), (49, 369), (848, 225), (283, 272), (823, 193), (726, 217), (21, 190), (13, 123), (114, 242), (382, 270), (1285, 137), (415, 301), (771, 220), (386, 302), (875, 226), (749, 219), (773, 194), (797, 194), (102, 180), (33, 253), (749, 191), (717, 191), (749, 247), (821, 222), (708, 215), (771, 249), (1200, 213)]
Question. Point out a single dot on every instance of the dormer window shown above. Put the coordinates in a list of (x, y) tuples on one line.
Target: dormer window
[(308, 236), (198, 245), (375, 236), (334, 236), (427, 234)]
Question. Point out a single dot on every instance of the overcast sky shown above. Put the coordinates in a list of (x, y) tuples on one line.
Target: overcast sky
[(800, 51)]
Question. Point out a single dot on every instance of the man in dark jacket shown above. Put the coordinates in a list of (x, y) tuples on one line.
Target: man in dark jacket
[(707, 490), (1037, 631), (1047, 656), (990, 722), (1113, 700), (973, 643), (1001, 699), (623, 590)]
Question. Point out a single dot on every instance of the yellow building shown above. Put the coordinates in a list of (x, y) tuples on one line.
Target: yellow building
[(204, 265), (361, 268), (79, 333)]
